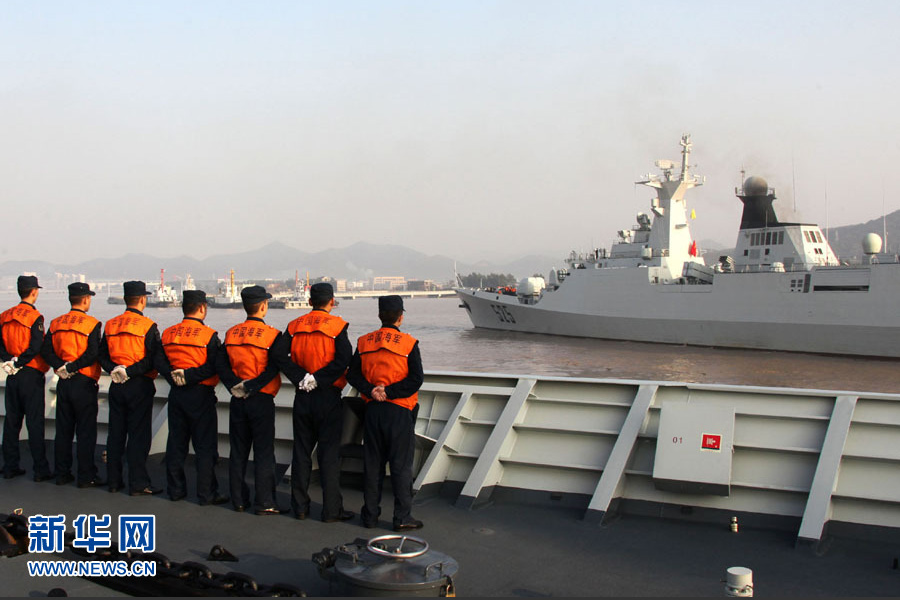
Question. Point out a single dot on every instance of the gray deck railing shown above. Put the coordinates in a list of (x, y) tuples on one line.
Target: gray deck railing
[(816, 456)]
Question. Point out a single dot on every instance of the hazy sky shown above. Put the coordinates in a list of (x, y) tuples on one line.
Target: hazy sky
[(469, 129)]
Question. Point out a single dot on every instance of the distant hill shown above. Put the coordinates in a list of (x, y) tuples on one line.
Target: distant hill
[(847, 241), (280, 261), (364, 260)]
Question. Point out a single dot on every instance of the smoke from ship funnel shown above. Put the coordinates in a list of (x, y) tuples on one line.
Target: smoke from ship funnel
[(758, 209)]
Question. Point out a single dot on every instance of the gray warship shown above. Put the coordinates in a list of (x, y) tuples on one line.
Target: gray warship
[(784, 288)]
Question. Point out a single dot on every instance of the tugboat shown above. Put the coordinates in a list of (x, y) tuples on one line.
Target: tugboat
[(783, 290), (164, 296), (300, 298), (229, 297), (187, 284)]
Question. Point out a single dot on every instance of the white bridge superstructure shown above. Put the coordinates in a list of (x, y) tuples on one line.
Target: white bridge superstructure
[(783, 290), (805, 458)]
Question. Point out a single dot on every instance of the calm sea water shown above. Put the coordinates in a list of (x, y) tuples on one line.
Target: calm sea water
[(449, 342)]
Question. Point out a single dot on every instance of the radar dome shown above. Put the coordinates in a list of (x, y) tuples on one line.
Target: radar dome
[(871, 243), (756, 186)]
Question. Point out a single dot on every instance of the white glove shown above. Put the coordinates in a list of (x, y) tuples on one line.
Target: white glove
[(238, 391), (178, 377), (308, 384), (119, 375), (62, 372), (10, 367)]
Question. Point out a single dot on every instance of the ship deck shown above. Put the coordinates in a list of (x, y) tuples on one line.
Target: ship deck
[(503, 549)]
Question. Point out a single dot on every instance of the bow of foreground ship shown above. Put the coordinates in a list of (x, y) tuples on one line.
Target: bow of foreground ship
[(579, 487), (784, 288)]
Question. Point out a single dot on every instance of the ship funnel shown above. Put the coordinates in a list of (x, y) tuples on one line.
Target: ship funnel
[(871, 243), (757, 199)]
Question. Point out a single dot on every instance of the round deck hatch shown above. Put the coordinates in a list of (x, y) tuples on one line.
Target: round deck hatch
[(388, 565)]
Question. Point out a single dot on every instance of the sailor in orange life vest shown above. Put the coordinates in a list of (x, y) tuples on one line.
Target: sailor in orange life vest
[(130, 351), (248, 371), (320, 352), (72, 349), (191, 348), (21, 338), (387, 371)]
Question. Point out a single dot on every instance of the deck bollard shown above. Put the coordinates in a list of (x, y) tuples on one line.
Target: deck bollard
[(739, 582)]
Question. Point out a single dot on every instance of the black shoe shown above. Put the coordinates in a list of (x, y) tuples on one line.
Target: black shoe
[(301, 516), (345, 515), (42, 478), (408, 525), (215, 500), (64, 479), (271, 510), (177, 497), (114, 489), (239, 508), (147, 491), (370, 525), (10, 473), (91, 483)]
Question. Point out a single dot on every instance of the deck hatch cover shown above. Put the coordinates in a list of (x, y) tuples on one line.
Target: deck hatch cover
[(694, 448)]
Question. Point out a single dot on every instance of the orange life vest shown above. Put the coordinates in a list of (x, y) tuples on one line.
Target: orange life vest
[(125, 338), (17, 322), (247, 345), (312, 341), (383, 356), (185, 346), (70, 333)]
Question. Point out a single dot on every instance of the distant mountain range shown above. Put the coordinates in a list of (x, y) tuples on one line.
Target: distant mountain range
[(364, 260), (280, 261), (847, 241)]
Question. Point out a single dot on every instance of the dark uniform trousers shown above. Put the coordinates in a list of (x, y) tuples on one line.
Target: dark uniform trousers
[(130, 431), (25, 400), (76, 415), (192, 419), (251, 421), (318, 418), (388, 437)]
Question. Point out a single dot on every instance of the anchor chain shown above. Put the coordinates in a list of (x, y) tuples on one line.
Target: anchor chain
[(13, 534), (188, 578), (172, 578)]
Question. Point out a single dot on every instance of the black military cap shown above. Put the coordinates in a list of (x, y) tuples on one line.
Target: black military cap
[(80, 289), (320, 293), (135, 288), (27, 282), (194, 297), (255, 293), (390, 303)]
